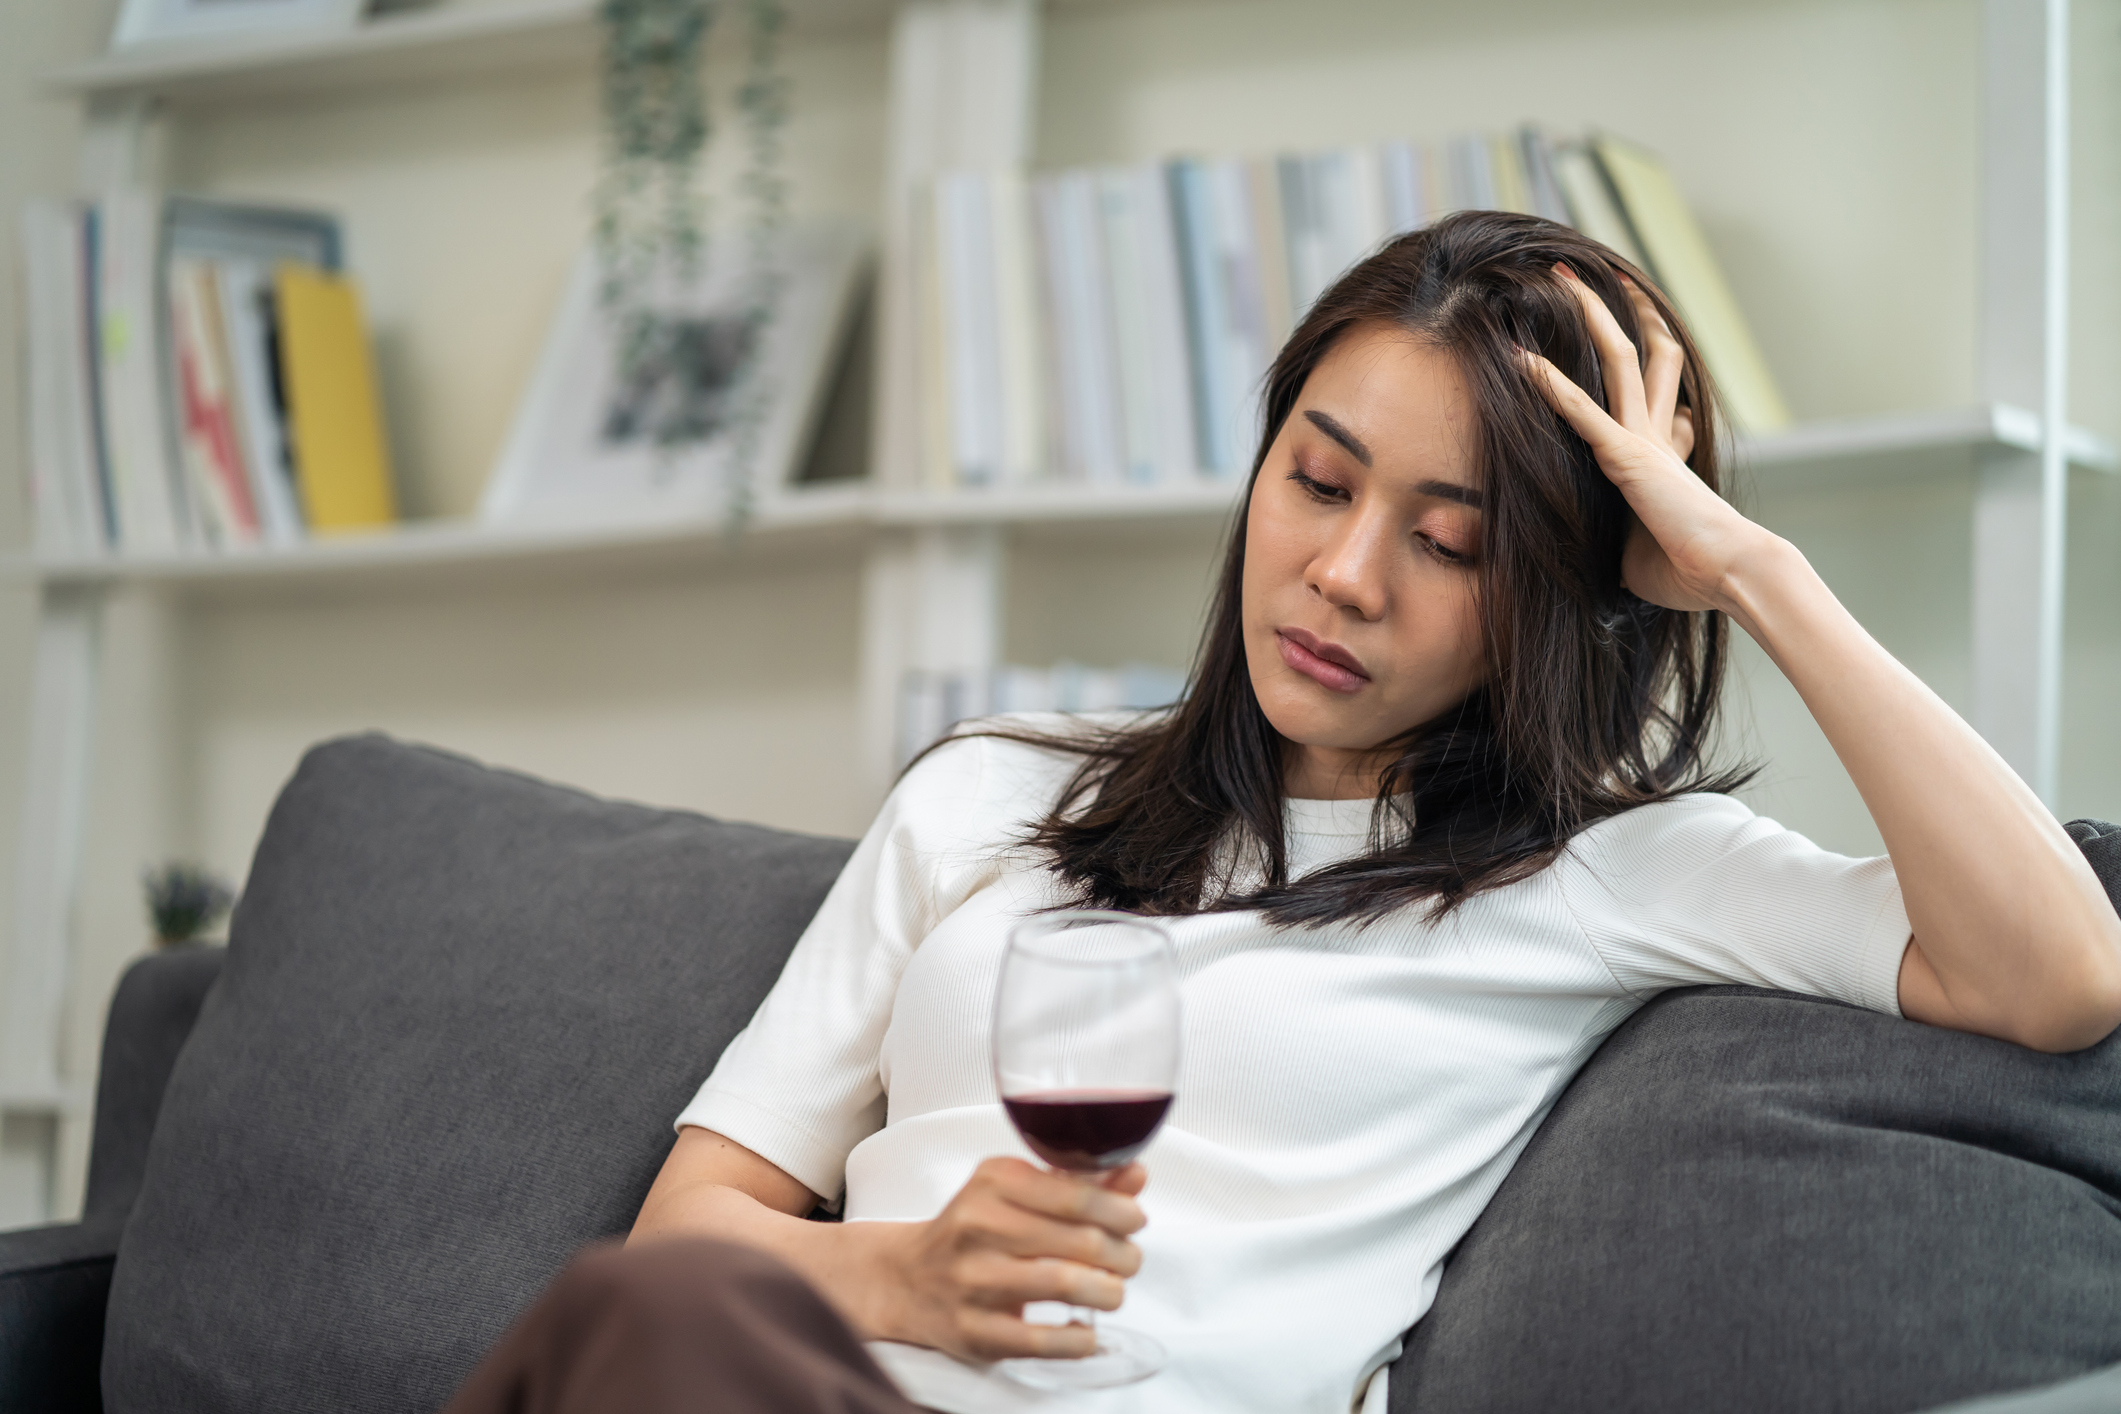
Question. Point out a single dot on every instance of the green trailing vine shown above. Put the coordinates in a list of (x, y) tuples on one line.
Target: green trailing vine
[(685, 379)]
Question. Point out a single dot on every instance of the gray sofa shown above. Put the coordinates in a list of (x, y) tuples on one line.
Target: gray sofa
[(459, 1008)]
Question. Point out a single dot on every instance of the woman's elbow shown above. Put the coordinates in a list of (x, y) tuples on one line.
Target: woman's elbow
[(2084, 1009)]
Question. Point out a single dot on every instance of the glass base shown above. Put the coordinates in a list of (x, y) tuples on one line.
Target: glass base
[(1122, 1357)]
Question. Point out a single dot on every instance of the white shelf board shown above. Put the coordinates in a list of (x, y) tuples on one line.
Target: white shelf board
[(469, 545), (424, 43), (448, 40), (1987, 424), (1854, 452)]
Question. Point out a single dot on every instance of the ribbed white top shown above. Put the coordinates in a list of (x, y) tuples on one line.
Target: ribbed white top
[(1349, 1098)]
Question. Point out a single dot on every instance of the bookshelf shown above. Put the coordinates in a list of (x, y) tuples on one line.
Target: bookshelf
[(932, 563)]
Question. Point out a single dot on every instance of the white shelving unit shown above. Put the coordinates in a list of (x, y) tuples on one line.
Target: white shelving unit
[(934, 562)]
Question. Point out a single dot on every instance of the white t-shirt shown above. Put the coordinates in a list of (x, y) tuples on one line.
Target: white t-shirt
[(1349, 1098)]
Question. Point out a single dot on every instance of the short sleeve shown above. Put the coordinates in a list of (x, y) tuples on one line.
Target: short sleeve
[(799, 1085), (1701, 890)]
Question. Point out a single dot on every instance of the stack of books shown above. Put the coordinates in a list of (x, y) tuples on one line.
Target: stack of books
[(1115, 325), (199, 378)]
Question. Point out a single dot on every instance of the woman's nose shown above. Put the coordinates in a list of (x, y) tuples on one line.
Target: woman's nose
[(1350, 571)]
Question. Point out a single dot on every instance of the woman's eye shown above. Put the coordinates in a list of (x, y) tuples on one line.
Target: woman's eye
[(1317, 490), (1444, 552)]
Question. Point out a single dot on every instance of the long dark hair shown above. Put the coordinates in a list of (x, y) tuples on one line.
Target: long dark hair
[(1595, 701)]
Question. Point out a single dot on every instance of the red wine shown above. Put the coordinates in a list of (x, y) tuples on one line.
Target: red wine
[(1087, 1130)]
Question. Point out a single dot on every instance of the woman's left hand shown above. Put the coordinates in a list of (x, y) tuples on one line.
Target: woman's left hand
[(1687, 539)]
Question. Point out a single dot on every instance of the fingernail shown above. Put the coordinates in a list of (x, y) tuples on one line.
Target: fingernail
[(1561, 268)]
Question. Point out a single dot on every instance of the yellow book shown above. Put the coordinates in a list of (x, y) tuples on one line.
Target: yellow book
[(335, 422), (1680, 258), (1513, 189)]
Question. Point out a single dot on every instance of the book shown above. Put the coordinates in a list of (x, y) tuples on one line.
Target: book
[(1278, 310), (1681, 261), (341, 461), (210, 442), (245, 288), (153, 511), (1472, 174), (1149, 324), (1090, 435), (1593, 209), (1206, 294), (1538, 157), (66, 499), (971, 321), (978, 276), (1306, 237), (1402, 169), (1247, 346), (1513, 186), (1022, 337)]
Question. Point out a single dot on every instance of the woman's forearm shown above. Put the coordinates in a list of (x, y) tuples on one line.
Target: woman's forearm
[(712, 1186), (2014, 937), (841, 1260)]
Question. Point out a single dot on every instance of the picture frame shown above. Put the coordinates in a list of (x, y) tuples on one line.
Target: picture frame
[(579, 450), (152, 22)]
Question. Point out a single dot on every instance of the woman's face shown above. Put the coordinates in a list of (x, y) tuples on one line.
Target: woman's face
[(1360, 618)]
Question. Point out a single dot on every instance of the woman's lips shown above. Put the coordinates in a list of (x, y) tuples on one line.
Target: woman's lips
[(1327, 664)]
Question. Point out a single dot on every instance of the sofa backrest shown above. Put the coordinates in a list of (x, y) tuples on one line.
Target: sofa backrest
[(458, 1013)]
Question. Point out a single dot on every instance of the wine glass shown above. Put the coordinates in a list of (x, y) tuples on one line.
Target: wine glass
[(1085, 1055)]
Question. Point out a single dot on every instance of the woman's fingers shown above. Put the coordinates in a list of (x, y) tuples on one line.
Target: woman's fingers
[(1592, 422), (1001, 1335), (1070, 1199), (1682, 433), (1006, 1283), (1661, 366), (1616, 356)]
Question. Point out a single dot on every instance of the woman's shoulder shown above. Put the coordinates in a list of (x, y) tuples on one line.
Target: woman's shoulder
[(1667, 834), (1654, 847), (1009, 768)]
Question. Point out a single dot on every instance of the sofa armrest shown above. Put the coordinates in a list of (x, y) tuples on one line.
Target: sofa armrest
[(151, 1016), (54, 1284)]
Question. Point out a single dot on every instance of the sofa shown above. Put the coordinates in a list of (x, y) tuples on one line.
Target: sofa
[(459, 1008)]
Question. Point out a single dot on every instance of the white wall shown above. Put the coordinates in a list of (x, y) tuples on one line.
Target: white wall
[(1830, 149)]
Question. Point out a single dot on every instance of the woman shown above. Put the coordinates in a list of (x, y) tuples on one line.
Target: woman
[(1434, 817)]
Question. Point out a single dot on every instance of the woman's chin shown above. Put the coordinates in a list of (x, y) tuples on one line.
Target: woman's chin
[(1320, 720)]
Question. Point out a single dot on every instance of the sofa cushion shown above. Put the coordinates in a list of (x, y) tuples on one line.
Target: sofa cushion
[(459, 1011), (1754, 1201)]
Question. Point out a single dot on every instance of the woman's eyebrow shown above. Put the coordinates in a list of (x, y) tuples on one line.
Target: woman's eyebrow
[(1452, 491), (1340, 434)]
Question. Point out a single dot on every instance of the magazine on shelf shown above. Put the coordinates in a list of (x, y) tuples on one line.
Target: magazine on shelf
[(721, 417)]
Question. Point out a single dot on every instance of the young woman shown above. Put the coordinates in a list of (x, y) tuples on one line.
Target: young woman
[(1435, 816)]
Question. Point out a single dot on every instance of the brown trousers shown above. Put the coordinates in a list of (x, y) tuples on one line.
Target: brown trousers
[(677, 1327)]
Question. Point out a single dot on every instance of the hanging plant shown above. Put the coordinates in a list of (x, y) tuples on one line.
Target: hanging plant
[(683, 377)]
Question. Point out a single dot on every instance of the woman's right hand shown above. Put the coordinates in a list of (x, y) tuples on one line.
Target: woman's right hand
[(1013, 1234)]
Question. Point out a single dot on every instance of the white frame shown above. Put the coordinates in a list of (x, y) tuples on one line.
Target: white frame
[(554, 467), (152, 22)]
